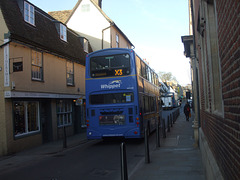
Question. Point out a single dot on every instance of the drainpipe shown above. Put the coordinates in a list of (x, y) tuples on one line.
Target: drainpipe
[(197, 123), (105, 30), (193, 29)]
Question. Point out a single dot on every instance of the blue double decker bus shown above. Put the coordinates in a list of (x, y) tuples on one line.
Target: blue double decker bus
[(122, 94)]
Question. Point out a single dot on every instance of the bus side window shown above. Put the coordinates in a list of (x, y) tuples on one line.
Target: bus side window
[(155, 78), (138, 65), (149, 75), (143, 72)]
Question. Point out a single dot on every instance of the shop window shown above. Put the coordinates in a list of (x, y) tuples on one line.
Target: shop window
[(26, 117), (64, 113)]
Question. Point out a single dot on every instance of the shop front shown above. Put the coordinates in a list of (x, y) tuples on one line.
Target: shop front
[(40, 120)]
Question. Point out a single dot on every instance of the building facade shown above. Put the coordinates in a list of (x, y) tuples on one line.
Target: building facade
[(88, 19), (215, 53), (42, 77)]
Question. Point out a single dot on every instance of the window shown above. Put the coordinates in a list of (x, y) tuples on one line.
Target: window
[(37, 66), (213, 59), (63, 32), (149, 74), (85, 8), (112, 98), (143, 70), (29, 15), (70, 73), (138, 65), (149, 104), (117, 41), (114, 65), (17, 64), (85, 45), (64, 112), (26, 117)]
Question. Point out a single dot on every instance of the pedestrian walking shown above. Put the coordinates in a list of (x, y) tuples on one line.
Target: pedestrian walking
[(187, 111)]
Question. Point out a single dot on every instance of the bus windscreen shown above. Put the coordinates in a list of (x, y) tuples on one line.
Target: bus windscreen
[(114, 65)]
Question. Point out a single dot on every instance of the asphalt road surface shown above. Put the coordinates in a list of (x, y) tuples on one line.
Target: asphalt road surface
[(93, 160)]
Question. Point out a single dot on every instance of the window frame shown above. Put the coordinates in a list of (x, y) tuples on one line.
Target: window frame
[(213, 61), (85, 8), (37, 65), (85, 45), (70, 73), (28, 14), (117, 40), (107, 70), (63, 32), (143, 70), (26, 119), (64, 109), (111, 98)]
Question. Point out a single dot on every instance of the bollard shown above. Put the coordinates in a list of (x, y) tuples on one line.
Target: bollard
[(124, 173), (64, 138), (147, 156), (164, 129), (168, 124), (174, 117), (171, 120), (157, 135)]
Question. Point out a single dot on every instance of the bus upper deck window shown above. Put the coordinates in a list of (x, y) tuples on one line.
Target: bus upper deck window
[(112, 65)]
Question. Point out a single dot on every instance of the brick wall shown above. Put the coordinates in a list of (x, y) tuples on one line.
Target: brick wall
[(223, 131)]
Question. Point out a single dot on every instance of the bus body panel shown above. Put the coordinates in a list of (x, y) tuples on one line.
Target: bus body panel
[(116, 104)]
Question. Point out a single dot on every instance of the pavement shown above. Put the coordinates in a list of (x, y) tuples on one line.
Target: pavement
[(176, 159), (32, 155)]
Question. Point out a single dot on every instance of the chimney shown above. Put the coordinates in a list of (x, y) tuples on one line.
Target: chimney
[(98, 2)]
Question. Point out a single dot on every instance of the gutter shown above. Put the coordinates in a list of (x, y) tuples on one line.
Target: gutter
[(7, 42), (113, 24)]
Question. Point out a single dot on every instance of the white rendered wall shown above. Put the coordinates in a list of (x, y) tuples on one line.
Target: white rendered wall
[(89, 22)]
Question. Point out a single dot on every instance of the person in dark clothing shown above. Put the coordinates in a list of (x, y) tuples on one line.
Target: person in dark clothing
[(187, 111)]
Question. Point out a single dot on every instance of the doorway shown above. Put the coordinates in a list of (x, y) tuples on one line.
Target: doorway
[(46, 120)]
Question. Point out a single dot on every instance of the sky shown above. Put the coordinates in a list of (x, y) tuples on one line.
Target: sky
[(154, 27)]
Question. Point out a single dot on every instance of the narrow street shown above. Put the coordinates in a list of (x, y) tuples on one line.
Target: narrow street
[(92, 160)]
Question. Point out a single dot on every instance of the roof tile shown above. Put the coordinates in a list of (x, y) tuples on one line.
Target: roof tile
[(44, 34)]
